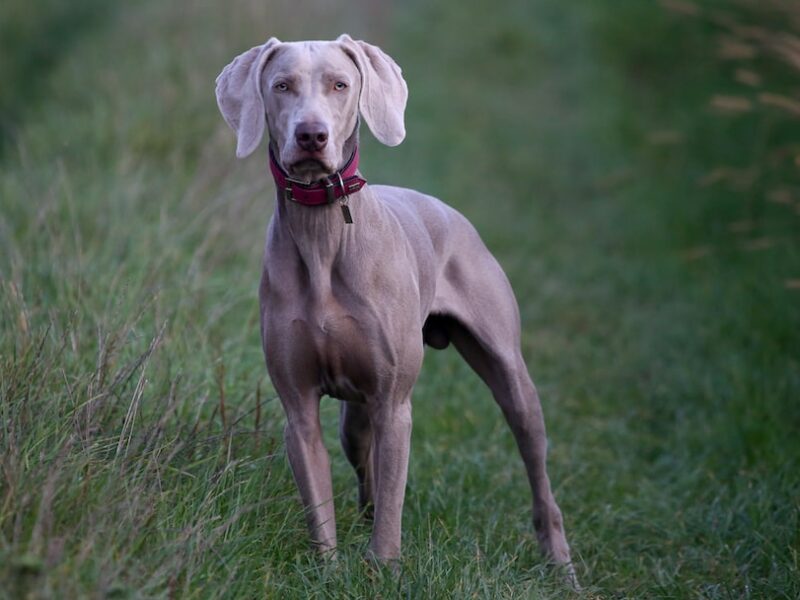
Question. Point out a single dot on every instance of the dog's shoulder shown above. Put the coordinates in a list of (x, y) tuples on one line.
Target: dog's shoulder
[(418, 212), (405, 202)]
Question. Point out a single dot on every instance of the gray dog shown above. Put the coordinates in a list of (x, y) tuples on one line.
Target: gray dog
[(357, 278)]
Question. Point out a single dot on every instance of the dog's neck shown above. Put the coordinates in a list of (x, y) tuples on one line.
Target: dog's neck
[(318, 231)]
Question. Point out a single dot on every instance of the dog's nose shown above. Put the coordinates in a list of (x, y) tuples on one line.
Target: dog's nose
[(311, 136)]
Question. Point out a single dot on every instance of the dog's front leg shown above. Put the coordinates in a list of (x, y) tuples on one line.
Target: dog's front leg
[(391, 426), (310, 464)]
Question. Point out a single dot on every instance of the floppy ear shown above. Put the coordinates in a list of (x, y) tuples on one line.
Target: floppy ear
[(383, 90), (240, 99)]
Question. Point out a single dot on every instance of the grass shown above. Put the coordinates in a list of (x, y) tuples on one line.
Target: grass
[(32, 40), (649, 226)]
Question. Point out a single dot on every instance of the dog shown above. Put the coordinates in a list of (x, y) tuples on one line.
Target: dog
[(357, 278)]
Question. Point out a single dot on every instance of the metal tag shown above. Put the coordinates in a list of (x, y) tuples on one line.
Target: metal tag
[(348, 218)]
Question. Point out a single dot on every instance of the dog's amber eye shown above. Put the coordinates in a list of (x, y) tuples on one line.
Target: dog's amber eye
[(340, 85), (281, 87)]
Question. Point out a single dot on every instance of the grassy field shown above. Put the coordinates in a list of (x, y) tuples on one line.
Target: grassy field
[(634, 166)]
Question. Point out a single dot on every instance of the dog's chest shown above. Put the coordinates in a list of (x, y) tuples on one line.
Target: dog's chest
[(347, 365), (332, 351), (332, 319)]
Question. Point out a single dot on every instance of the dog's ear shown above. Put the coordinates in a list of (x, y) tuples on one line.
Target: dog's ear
[(240, 98), (383, 90)]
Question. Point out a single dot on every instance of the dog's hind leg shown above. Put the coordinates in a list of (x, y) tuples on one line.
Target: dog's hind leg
[(355, 433), (503, 369)]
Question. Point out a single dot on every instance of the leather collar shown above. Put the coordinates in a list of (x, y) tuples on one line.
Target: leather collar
[(325, 191)]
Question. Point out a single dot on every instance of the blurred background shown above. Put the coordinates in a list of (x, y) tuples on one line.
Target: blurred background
[(635, 167)]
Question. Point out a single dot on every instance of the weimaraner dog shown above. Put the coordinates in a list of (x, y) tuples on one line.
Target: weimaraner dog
[(357, 278)]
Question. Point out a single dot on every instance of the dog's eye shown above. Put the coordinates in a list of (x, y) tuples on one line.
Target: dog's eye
[(340, 85), (281, 87)]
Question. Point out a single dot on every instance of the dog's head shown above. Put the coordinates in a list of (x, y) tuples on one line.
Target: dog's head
[(308, 95)]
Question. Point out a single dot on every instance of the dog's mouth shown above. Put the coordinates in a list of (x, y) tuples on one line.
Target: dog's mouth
[(309, 169)]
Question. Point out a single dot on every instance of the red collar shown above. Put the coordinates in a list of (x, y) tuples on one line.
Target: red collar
[(328, 189)]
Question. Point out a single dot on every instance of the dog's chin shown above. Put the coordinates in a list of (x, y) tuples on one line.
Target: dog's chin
[(309, 170)]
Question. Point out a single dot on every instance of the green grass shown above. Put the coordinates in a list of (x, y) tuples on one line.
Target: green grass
[(651, 240)]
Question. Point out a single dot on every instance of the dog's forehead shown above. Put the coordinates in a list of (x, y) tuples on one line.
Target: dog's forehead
[(313, 56)]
